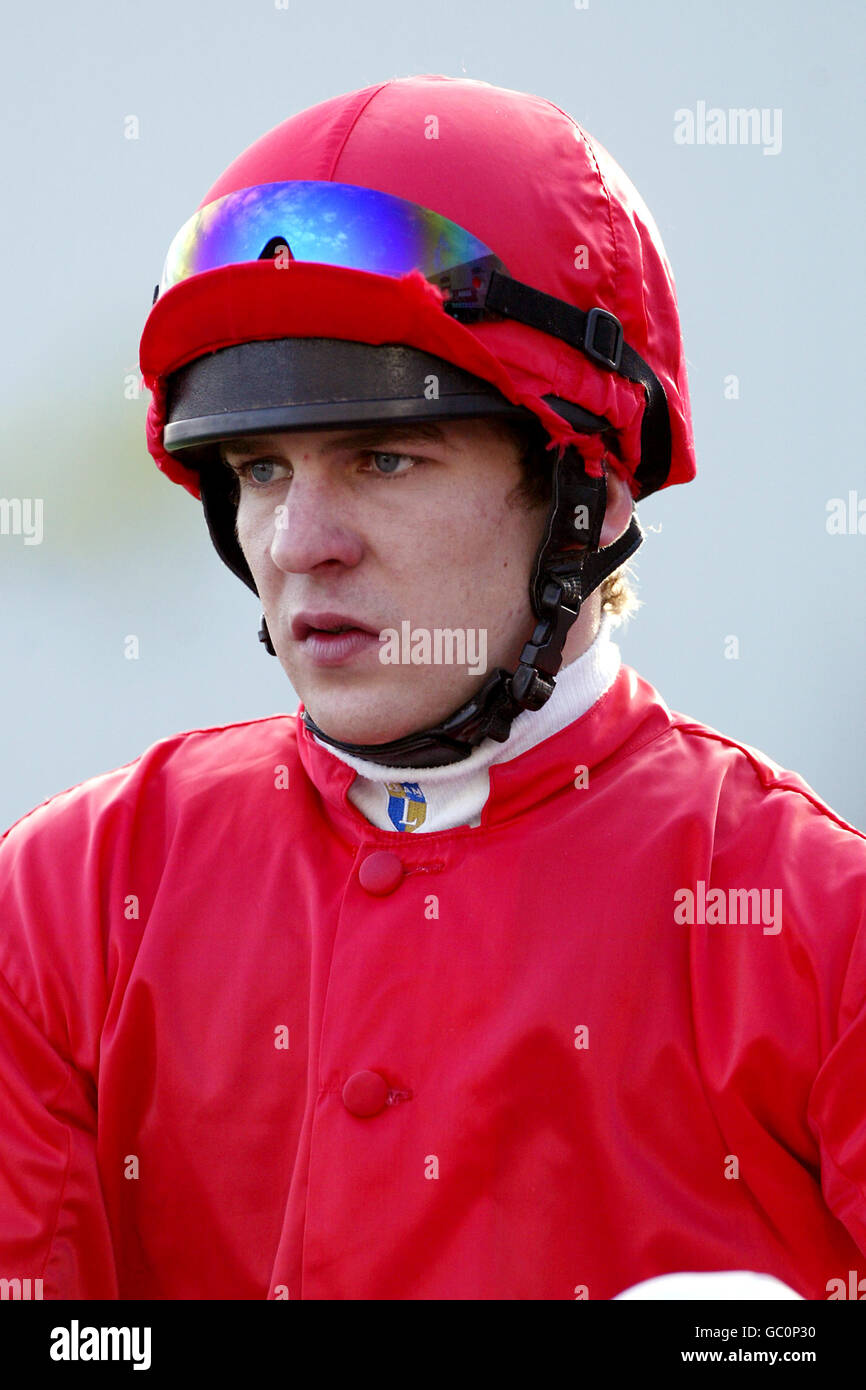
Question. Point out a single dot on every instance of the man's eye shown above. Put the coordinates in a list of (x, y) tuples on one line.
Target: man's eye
[(244, 470), (392, 461)]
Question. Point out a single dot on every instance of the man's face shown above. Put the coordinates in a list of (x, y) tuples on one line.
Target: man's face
[(382, 527)]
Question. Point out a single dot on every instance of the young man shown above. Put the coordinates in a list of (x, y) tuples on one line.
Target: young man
[(485, 976)]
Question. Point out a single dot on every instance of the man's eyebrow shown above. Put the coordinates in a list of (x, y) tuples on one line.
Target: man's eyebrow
[(371, 434)]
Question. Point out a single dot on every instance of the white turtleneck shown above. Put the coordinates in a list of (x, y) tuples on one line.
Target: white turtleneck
[(439, 798)]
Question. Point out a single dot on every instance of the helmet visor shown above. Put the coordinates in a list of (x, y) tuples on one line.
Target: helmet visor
[(338, 224)]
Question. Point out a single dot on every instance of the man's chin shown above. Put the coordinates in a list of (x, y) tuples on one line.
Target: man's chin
[(365, 732), (380, 713), (373, 721)]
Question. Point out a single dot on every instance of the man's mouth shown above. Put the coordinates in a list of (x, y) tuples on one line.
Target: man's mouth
[(334, 639), (306, 623)]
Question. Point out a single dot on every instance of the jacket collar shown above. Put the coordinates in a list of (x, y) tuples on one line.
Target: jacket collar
[(630, 714)]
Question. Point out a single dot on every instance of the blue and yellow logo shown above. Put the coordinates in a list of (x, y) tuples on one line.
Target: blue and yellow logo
[(407, 808)]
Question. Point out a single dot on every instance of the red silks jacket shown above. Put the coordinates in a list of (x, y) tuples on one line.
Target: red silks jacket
[(253, 1047)]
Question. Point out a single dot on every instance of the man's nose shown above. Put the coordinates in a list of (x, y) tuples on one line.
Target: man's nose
[(313, 526)]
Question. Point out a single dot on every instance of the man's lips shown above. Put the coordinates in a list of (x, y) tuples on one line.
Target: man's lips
[(333, 639), (305, 623)]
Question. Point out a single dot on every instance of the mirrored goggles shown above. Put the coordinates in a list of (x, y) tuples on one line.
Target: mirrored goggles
[(339, 224)]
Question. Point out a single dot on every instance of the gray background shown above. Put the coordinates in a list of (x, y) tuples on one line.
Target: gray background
[(767, 253)]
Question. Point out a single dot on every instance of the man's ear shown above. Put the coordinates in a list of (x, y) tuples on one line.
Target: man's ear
[(619, 507)]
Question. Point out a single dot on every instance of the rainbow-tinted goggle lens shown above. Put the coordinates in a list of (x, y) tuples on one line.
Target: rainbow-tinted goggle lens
[(351, 227), (338, 224)]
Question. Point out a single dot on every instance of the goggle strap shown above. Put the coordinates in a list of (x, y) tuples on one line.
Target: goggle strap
[(597, 334)]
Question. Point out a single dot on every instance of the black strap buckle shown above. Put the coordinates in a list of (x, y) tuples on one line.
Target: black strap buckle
[(599, 320), (265, 636)]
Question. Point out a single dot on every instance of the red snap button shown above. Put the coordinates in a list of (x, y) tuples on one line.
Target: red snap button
[(380, 872), (365, 1093)]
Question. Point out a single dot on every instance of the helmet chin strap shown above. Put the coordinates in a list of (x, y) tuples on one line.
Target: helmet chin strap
[(568, 566)]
